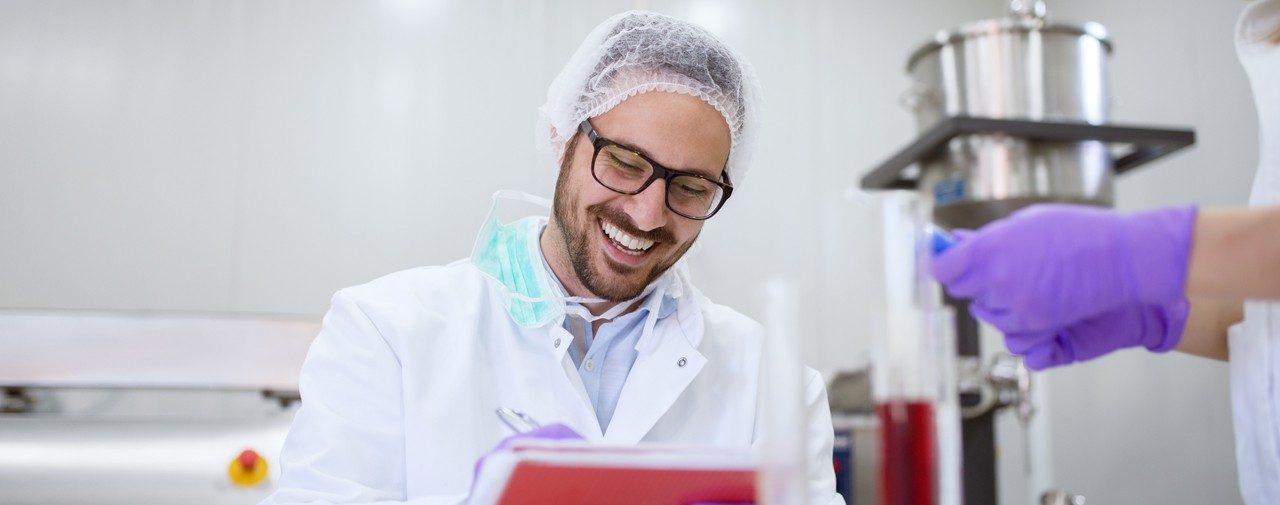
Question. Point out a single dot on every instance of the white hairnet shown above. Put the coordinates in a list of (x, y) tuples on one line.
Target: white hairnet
[(637, 52)]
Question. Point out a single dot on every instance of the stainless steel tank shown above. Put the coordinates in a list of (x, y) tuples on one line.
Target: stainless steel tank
[(1017, 67)]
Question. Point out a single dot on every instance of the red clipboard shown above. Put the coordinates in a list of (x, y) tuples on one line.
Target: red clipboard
[(544, 483)]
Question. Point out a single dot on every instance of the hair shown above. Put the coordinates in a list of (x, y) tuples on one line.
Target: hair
[(570, 148)]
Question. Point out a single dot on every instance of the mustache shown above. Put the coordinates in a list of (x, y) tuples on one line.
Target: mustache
[(623, 222)]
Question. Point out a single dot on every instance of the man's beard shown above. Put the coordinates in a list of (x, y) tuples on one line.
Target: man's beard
[(577, 243)]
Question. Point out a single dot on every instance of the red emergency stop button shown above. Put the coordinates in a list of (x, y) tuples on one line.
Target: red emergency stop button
[(247, 469), (248, 458)]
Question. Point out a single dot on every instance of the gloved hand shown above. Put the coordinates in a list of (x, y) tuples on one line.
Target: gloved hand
[(1047, 267), (549, 432), (1156, 327)]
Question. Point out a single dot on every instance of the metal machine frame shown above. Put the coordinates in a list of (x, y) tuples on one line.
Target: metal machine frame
[(1147, 144)]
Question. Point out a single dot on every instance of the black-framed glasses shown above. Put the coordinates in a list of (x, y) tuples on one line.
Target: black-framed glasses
[(624, 170)]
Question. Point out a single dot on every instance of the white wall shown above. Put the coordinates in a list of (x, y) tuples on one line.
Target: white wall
[(257, 156)]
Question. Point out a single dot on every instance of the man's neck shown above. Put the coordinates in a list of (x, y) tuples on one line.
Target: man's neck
[(553, 250)]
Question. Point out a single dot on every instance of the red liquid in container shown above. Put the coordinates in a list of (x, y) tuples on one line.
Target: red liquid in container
[(908, 470)]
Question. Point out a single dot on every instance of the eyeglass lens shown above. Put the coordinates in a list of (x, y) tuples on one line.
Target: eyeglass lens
[(624, 171)]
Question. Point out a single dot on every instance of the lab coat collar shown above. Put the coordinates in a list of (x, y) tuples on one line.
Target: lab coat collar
[(668, 361), (659, 376)]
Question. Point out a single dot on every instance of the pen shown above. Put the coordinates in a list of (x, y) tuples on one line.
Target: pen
[(519, 422)]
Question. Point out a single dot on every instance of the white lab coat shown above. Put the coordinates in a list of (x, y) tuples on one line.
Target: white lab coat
[(400, 387), (1255, 342)]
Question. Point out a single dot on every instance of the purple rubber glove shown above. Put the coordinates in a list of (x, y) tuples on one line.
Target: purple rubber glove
[(548, 432), (1158, 328), (1047, 267)]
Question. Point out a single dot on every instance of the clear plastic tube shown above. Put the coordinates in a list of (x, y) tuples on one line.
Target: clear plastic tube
[(782, 477)]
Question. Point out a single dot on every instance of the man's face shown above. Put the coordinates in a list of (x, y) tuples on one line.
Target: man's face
[(678, 131)]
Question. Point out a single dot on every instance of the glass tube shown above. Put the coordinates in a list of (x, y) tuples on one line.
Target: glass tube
[(913, 366)]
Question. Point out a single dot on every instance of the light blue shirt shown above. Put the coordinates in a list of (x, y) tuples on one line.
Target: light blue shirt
[(604, 358)]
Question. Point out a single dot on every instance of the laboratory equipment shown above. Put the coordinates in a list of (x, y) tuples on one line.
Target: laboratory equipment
[(1010, 112), (1014, 111), (913, 379), (142, 407), (856, 451)]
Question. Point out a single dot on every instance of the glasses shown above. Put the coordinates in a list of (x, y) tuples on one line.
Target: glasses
[(624, 170)]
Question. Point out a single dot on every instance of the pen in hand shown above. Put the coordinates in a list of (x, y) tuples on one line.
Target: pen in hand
[(519, 422)]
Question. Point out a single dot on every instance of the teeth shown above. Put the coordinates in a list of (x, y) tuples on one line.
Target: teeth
[(625, 240)]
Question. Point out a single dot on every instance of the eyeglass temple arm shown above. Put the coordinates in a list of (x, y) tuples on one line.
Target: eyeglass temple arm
[(586, 128)]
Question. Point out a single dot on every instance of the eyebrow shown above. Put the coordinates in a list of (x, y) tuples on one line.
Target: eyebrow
[(695, 171)]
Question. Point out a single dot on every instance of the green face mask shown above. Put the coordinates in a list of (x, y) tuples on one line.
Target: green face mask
[(510, 254)]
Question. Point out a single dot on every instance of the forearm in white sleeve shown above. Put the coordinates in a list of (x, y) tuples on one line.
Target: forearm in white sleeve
[(346, 445)]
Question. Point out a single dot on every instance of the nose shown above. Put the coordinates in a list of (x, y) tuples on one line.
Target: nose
[(648, 209)]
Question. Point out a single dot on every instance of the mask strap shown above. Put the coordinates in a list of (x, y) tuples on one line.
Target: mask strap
[(583, 313), (511, 194), (583, 299)]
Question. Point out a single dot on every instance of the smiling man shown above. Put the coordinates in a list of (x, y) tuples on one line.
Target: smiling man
[(585, 318), (611, 235)]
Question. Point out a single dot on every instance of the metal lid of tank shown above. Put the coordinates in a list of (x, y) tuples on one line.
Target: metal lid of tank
[(1024, 17)]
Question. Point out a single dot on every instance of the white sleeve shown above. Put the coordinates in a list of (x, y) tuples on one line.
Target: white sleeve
[(820, 439), (346, 444), (1255, 371)]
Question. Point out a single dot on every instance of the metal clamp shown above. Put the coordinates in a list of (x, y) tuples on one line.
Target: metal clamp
[(1059, 497), (1028, 9), (1004, 382), (285, 398), (16, 400)]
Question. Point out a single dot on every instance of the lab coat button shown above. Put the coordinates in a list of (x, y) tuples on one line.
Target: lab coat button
[(682, 362), (556, 343)]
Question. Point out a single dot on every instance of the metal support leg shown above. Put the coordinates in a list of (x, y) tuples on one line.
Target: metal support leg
[(978, 434)]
